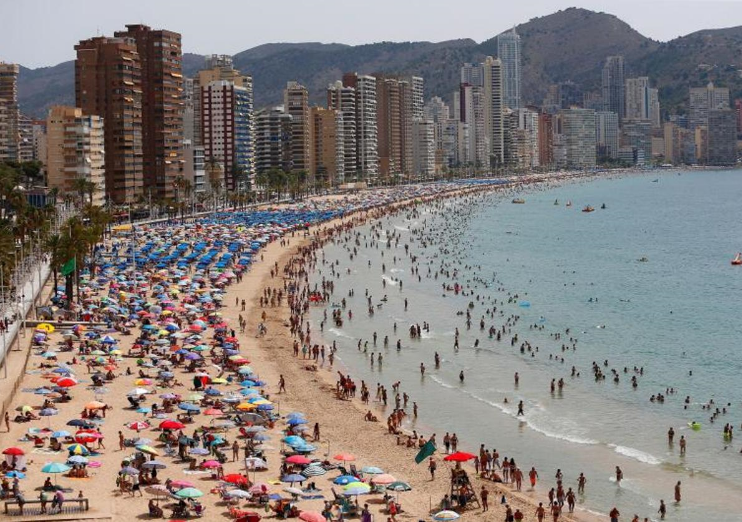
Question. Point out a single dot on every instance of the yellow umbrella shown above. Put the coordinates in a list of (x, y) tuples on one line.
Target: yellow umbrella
[(261, 401), (46, 327), (246, 406), (219, 380)]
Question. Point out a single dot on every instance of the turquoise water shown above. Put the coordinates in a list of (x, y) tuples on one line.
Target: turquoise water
[(678, 312)]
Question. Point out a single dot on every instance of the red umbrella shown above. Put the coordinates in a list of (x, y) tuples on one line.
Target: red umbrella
[(66, 382), (298, 459), (312, 516), (213, 411), (171, 425), (345, 457), (138, 425), (459, 456), (86, 437), (236, 478), (13, 451)]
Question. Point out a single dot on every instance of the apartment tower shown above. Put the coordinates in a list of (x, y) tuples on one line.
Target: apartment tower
[(613, 85), (296, 103), (9, 114), (343, 100), (367, 163), (508, 51)]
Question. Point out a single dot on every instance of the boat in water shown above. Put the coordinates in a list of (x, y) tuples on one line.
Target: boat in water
[(519, 201), (569, 203), (556, 202), (737, 259), (588, 209), (643, 259)]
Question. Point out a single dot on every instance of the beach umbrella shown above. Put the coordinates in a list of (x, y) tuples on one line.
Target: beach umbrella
[(237, 493), (224, 424), (356, 488), (296, 422), (294, 440), (141, 441), (255, 429), (211, 464), (136, 392), (188, 407), (54, 468), (147, 449), (446, 516), (383, 479), (143, 382), (459, 456), (259, 488), (182, 483), (399, 486), (66, 382), (236, 478), (171, 425), (15, 474), (344, 480), (295, 415), (128, 470), (313, 471), (293, 491), (60, 434), (81, 423), (199, 451), (372, 470), (78, 449), (312, 516), (144, 410), (344, 457), (255, 463), (77, 459), (154, 464), (13, 451), (138, 425), (294, 477), (87, 436), (298, 459), (157, 490), (189, 493), (213, 411)]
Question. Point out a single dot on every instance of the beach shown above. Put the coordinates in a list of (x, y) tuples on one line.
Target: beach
[(312, 393)]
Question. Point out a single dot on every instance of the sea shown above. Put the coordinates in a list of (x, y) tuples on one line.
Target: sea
[(645, 287)]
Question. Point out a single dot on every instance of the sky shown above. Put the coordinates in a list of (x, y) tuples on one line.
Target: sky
[(39, 33)]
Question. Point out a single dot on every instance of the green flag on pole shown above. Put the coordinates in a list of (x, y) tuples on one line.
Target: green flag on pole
[(68, 267), (426, 451)]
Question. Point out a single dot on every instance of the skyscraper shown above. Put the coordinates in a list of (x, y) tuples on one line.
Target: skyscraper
[(508, 51), (493, 110), (613, 85), (423, 149), (108, 84), (578, 129), (273, 129), (705, 99), (227, 132), (241, 125), (9, 114), (367, 164), (390, 120), (328, 156), (75, 150), (722, 137), (606, 134), (296, 103), (160, 58), (343, 100), (472, 110)]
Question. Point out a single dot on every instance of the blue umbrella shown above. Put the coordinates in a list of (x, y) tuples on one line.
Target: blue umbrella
[(294, 477), (293, 440), (265, 407), (48, 412), (81, 423), (296, 422), (188, 407), (261, 437), (77, 459), (342, 480), (15, 474), (61, 434), (55, 467), (295, 415)]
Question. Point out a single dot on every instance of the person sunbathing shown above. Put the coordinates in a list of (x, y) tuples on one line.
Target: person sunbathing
[(371, 417)]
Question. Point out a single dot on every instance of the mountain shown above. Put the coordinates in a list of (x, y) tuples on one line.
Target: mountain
[(567, 45)]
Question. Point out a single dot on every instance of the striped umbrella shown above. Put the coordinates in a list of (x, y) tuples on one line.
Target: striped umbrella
[(313, 471)]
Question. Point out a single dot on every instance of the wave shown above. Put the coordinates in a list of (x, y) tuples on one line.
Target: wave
[(402, 229), (338, 333), (439, 381), (389, 281), (397, 270), (427, 335), (636, 454)]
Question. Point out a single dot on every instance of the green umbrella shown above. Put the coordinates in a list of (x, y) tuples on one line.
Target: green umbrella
[(189, 493)]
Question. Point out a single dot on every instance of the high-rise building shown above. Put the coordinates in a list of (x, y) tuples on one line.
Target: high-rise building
[(367, 164), (9, 113), (722, 137), (545, 140), (160, 58), (238, 121), (75, 150), (738, 115), (437, 111), (613, 85), (638, 105), (606, 135), (455, 143), (563, 95), (108, 84), (679, 144), (343, 100), (527, 139), (25, 138), (273, 129), (472, 74), (493, 110), (423, 149), (578, 130), (227, 132), (472, 110), (390, 119), (328, 141), (296, 103), (637, 135), (703, 100), (508, 51), (194, 169)]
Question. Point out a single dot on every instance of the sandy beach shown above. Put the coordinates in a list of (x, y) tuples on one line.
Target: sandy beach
[(342, 424)]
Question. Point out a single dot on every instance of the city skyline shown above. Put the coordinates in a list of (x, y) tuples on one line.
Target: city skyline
[(59, 22)]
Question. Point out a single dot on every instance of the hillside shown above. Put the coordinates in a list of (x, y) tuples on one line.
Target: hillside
[(567, 45)]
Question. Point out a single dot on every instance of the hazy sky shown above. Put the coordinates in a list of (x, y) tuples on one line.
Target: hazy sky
[(43, 32)]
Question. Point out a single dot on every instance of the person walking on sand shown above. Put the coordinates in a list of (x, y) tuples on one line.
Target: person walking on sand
[(533, 476), (484, 494), (7, 422), (281, 384), (235, 450), (431, 467), (540, 512), (316, 431)]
